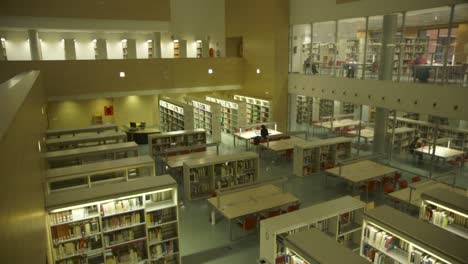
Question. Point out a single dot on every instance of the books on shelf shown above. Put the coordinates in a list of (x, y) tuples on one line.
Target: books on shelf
[(258, 110)]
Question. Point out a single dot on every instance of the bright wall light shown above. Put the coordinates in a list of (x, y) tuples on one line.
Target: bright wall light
[(210, 71), (258, 71), (2, 39), (176, 41), (122, 74), (149, 41), (123, 40), (94, 40), (39, 146), (198, 41)]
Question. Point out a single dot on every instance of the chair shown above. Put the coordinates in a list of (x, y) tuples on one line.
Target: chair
[(249, 223), (370, 186), (396, 177), (291, 208), (402, 184), (415, 179), (328, 166), (384, 180), (270, 214), (388, 188)]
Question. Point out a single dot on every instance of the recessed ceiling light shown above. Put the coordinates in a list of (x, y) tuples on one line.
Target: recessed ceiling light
[(122, 74), (124, 41), (258, 71), (210, 71)]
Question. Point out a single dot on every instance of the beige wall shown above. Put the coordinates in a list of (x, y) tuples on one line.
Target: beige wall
[(263, 24), (461, 48), (80, 78), (115, 9), (22, 218), (306, 11)]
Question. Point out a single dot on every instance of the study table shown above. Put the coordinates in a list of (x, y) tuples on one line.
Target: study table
[(412, 195), (367, 134), (140, 136), (95, 153), (440, 152), (73, 131), (234, 205), (340, 124), (251, 134), (361, 171), (76, 141), (283, 144)]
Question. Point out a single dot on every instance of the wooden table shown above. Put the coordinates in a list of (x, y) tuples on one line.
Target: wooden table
[(338, 123), (283, 144), (74, 142), (250, 201), (412, 195), (73, 131), (440, 152), (361, 171), (249, 135), (366, 134), (77, 156)]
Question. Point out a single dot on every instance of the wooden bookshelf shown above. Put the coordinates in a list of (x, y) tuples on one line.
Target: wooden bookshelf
[(92, 174), (175, 115), (312, 157), (258, 110), (232, 113), (157, 143), (176, 49), (128, 222), (340, 219), (203, 176), (445, 209), (458, 136), (392, 236), (206, 115), (74, 131)]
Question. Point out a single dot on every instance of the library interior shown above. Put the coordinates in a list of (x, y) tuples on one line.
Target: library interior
[(234, 131)]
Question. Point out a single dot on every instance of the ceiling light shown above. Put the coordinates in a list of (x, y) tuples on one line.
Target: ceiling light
[(258, 71), (3, 39), (149, 41), (436, 18), (210, 71), (94, 40), (122, 74), (198, 41), (176, 41), (124, 41)]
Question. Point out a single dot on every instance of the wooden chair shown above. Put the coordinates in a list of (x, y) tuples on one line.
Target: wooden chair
[(415, 179), (388, 188), (249, 223), (402, 184), (370, 186)]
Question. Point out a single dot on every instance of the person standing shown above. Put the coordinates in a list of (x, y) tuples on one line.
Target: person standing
[(421, 72)]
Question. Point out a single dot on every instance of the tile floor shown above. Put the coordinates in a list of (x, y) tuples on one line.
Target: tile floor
[(203, 243)]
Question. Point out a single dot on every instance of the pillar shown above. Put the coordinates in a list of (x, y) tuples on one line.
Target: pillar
[(385, 73), (182, 48), (131, 49), (70, 51), (3, 55), (206, 47), (35, 45), (101, 49), (156, 45)]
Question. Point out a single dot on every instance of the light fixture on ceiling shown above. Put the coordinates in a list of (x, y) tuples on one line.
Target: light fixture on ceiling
[(124, 41), (149, 41), (94, 40), (2, 39), (198, 41), (258, 71), (175, 41), (436, 18), (122, 74), (210, 71)]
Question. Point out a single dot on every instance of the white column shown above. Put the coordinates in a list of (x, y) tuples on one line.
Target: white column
[(35, 45), (131, 49), (157, 45), (3, 55), (101, 49), (385, 73), (70, 51)]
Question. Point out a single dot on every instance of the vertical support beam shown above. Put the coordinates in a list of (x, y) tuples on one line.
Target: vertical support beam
[(206, 47), (35, 45), (290, 47), (70, 51), (363, 75), (434, 144), (392, 140), (131, 49), (385, 73), (447, 46), (182, 48), (336, 50), (101, 49), (402, 46), (359, 130), (156, 45), (3, 55)]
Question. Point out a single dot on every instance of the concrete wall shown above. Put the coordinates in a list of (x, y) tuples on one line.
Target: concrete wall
[(22, 221), (115, 9), (263, 24), (101, 78), (306, 11)]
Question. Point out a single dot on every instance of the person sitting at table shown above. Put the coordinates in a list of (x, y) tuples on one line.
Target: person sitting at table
[(264, 132)]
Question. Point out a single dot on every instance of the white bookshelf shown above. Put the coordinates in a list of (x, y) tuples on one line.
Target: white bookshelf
[(314, 246), (403, 137), (157, 143), (339, 218), (258, 110), (92, 174), (304, 109), (202, 176), (232, 114), (445, 209), (207, 116), (391, 236), (312, 157), (128, 222), (175, 115)]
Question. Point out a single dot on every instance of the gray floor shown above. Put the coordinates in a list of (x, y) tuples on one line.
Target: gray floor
[(201, 242)]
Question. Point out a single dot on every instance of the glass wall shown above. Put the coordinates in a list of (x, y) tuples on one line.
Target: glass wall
[(430, 46)]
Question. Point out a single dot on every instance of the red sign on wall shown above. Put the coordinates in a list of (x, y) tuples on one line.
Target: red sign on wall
[(109, 110)]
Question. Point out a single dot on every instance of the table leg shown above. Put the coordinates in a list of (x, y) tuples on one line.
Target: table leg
[(234, 139), (247, 144), (410, 193), (367, 192), (230, 230), (213, 217)]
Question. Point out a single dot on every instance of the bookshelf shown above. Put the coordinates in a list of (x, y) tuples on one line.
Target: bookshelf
[(124, 49), (176, 49), (199, 47), (458, 136), (128, 222), (352, 48), (91, 174), (403, 138), (175, 115), (392, 236), (304, 109), (407, 52), (311, 157), (339, 218), (206, 115), (232, 114), (157, 143), (445, 209), (203, 176), (313, 246), (326, 108), (258, 110), (150, 49)]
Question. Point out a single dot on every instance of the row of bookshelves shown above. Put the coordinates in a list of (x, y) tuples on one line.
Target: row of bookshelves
[(232, 113), (157, 143), (175, 115), (258, 110), (206, 116)]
